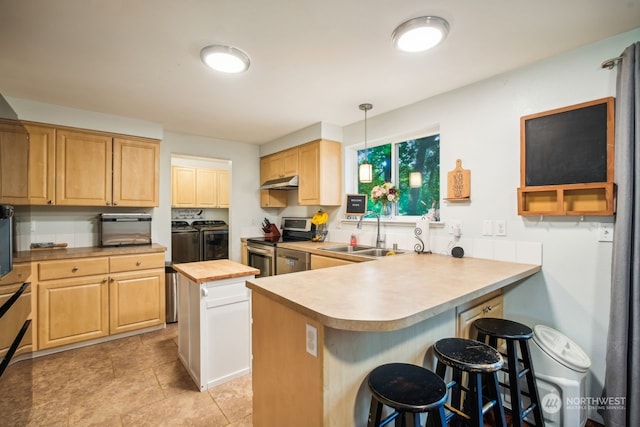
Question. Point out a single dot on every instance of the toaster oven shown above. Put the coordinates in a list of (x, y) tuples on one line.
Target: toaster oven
[(125, 229)]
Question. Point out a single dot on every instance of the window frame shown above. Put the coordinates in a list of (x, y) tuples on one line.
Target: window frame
[(394, 142)]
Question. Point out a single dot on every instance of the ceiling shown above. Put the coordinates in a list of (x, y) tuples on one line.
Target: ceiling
[(311, 61)]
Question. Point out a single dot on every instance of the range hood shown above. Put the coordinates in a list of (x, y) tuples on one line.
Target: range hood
[(287, 183)]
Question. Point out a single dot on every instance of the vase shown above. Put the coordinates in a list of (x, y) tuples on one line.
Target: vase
[(386, 210)]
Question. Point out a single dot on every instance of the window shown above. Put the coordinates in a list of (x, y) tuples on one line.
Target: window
[(394, 162)]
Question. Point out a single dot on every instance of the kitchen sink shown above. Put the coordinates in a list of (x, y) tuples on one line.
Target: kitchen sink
[(347, 248), (379, 252), (361, 250)]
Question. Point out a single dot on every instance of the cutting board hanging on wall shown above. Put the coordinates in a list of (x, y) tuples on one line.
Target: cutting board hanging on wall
[(459, 183)]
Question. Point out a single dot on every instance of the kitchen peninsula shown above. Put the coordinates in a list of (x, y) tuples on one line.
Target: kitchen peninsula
[(317, 334)]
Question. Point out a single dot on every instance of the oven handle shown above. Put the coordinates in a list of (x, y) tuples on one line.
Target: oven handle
[(258, 251), (7, 305)]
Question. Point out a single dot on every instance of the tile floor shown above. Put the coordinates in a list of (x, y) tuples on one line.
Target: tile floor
[(135, 381)]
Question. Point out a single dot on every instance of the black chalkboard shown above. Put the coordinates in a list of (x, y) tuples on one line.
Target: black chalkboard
[(568, 146), (356, 204)]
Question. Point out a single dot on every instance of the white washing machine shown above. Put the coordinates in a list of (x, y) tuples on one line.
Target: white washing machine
[(561, 367)]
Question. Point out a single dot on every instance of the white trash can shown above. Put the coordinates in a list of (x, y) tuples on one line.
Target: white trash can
[(561, 367)]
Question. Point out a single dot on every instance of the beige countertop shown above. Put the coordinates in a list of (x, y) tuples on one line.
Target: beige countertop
[(209, 271), (93, 251), (389, 293)]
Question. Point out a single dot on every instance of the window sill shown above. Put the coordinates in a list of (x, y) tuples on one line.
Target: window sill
[(399, 221)]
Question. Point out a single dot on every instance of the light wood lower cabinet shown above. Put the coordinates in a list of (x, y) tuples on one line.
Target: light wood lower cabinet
[(72, 310), (489, 306), (319, 261), (136, 300), (13, 320), (87, 298)]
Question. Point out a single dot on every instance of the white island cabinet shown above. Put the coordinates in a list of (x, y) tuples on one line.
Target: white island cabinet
[(214, 320)]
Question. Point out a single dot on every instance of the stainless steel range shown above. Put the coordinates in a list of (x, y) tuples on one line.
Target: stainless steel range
[(263, 251)]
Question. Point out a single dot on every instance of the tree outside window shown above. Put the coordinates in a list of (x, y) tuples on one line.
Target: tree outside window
[(399, 160)]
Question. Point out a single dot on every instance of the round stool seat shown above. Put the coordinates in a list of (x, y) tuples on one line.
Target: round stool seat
[(407, 388), (503, 328), (468, 355)]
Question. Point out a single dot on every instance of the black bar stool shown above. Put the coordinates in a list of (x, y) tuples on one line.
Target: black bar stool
[(515, 335), (479, 362), (409, 390)]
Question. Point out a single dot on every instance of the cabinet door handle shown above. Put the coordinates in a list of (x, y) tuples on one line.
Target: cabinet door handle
[(205, 292), (74, 269), (105, 279), (115, 203), (487, 309), (138, 263)]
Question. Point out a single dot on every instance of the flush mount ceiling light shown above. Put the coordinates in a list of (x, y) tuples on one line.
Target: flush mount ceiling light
[(226, 59), (420, 34)]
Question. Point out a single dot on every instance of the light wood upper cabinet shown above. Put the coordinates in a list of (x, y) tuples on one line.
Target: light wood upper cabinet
[(14, 164), (223, 188), (136, 172), (320, 173), (42, 162), (279, 165), (199, 187), (47, 165), (83, 168), (183, 187)]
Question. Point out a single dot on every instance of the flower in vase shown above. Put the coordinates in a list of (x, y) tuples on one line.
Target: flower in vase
[(385, 193)]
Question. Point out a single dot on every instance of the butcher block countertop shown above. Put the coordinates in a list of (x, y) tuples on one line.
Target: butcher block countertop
[(389, 293), (209, 271), (92, 251)]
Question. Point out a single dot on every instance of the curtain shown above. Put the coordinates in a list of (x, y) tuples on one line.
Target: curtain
[(622, 379)]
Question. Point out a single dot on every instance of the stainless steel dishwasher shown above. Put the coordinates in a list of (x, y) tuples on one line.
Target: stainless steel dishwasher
[(289, 260)]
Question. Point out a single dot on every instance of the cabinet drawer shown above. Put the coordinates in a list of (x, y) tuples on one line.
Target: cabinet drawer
[(19, 274), (72, 268), (136, 262)]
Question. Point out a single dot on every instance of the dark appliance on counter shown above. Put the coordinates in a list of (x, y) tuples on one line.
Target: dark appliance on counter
[(125, 229), (6, 239), (185, 242), (214, 239), (11, 303), (262, 251)]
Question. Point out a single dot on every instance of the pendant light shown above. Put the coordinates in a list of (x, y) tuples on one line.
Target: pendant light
[(365, 170), (415, 180)]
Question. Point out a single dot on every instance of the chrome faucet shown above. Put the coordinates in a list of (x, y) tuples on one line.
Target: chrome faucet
[(379, 241)]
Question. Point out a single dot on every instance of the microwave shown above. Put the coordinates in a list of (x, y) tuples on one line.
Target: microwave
[(125, 229), (6, 239)]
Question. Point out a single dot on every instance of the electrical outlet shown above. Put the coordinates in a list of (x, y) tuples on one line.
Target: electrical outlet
[(487, 227), (312, 340), (455, 227), (605, 232), (501, 227), (33, 226)]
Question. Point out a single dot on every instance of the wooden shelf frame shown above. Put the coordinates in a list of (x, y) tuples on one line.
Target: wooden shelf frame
[(593, 199), (580, 199)]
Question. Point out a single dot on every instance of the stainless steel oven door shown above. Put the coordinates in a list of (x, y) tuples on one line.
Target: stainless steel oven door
[(263, 258)]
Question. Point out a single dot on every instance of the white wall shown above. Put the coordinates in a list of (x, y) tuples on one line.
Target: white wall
[(480, 125)]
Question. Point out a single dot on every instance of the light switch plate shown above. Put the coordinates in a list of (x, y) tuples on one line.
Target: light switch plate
[(605, 232), (501, 227), (487, 227)]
